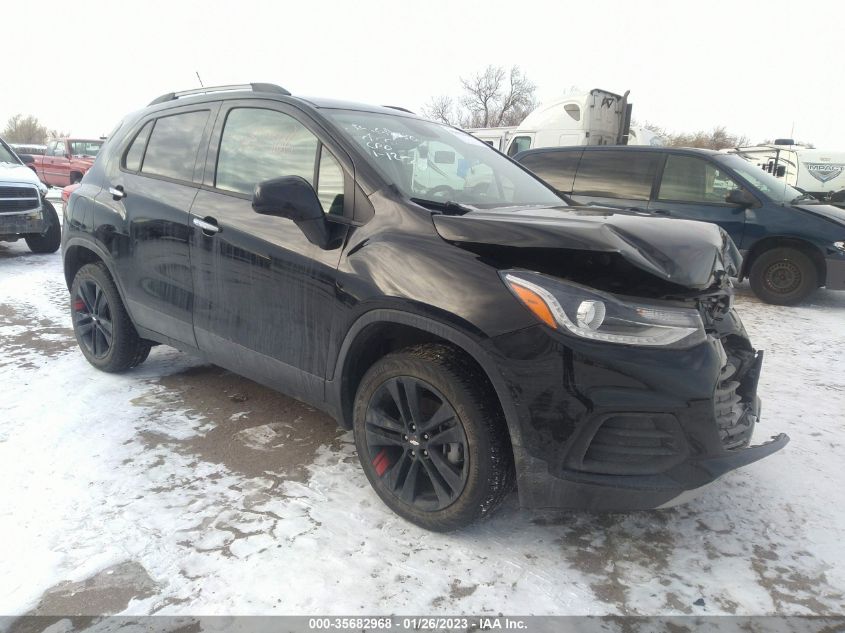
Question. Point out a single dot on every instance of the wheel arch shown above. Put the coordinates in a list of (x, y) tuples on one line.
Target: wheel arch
[(780, 241), (382, 331), (78, 252)]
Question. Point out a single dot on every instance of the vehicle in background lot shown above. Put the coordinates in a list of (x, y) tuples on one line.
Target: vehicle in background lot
[(424, 290), (66, 160), (32, 150), (24, 211), (818, 172), (791, 242), (597, 117)]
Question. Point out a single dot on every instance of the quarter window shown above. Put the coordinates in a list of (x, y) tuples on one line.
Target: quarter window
[(690, 179), (625, 175), (173, 146), (260, 144), (135, 155)]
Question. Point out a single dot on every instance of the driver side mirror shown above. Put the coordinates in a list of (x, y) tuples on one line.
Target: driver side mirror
[(27, 159), (740, 197), (294, 198)]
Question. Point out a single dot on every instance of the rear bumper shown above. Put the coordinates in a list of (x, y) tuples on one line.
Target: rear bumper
[(835, 278), (615, 428)]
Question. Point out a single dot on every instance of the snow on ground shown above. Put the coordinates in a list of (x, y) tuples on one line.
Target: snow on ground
[(179, 488)]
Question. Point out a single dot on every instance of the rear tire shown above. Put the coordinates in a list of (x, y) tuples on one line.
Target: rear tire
[(783, 276), (51, 239), (446, 475), (75, 178), (103, 330)]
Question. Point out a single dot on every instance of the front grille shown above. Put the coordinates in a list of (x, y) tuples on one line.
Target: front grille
[(19, 199), (734, 417), (635, 444)]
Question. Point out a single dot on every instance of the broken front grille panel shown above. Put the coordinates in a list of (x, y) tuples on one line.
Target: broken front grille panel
[(734, 417)]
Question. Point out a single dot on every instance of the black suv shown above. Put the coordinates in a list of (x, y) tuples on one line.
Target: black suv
[(791, 242), (427, 292)]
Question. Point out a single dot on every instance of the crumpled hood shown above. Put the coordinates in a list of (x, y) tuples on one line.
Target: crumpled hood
[(827, 211), (682, 252), (17, 173)]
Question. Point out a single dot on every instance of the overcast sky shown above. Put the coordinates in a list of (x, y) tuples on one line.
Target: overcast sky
[(755, 67)]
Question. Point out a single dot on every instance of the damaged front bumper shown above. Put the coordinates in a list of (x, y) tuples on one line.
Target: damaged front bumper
[(614, 428)]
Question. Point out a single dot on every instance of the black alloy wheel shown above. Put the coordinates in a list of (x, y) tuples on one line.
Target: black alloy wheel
[(105, 333), (92, 318), (431, 437), (416, 443)]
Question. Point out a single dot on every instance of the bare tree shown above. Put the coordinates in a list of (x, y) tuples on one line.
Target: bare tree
[(519, 100), (52, 134), (482, 93), (492, 97), (440, 109), (20, 129)]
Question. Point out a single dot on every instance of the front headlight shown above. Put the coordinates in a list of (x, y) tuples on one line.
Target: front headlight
[(840, 246), (599, 316)]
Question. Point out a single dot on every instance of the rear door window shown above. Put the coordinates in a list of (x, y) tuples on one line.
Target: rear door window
[(173, 145), (691, 179), (259, 144), (556, 168), (626, 175)]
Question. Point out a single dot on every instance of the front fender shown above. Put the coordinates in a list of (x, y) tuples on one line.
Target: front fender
[(464, 340)]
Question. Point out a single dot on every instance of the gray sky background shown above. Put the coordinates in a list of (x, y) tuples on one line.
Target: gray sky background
[(755, 67)]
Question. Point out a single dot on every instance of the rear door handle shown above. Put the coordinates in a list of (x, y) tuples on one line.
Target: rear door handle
[(117, 192), (207, 225)]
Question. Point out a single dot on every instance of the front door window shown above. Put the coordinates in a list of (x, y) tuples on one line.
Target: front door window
[(693, 180)]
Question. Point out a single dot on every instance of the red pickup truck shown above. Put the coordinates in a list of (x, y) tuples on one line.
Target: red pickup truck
[(65, 161)]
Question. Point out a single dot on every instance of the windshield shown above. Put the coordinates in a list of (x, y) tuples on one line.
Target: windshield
[(436, 163), (6, 155), (775, 188), (85, 148)]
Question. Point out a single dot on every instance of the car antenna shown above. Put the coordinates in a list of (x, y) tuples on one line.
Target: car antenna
[(202, 85)]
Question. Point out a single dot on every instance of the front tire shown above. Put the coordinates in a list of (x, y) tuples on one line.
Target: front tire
[(783, 276), (431, 438), (51, 239), (103, 330)]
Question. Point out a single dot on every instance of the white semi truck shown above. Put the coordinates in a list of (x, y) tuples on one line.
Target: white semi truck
[(820, 173), (596, 117)]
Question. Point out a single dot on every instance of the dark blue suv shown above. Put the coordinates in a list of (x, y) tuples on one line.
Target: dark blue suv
[(791, 242)]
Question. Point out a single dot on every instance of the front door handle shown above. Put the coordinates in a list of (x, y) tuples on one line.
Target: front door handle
[(117, 193), (207, 225)]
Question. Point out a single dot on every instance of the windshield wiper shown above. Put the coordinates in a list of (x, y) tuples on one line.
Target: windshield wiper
[(449, 207)]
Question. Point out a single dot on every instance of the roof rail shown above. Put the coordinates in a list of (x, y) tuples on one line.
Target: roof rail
[(255, 87), (399, 108)]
